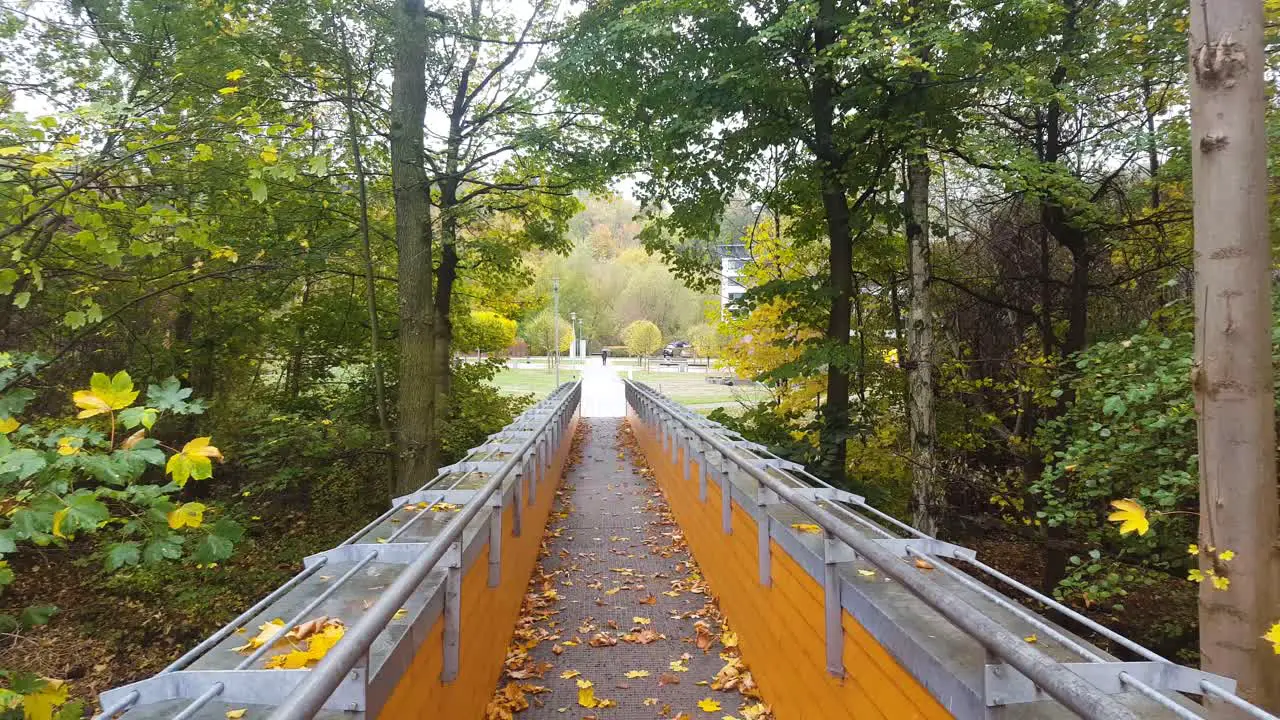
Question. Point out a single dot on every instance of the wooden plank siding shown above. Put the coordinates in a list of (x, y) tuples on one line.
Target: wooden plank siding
[(488, 618), (781, 627)]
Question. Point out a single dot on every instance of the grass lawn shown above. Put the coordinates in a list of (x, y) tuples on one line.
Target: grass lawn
[(693, 389), (538, 382)]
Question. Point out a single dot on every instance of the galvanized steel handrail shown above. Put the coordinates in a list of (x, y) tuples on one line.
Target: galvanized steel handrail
[(1060, 683), (310, 696), (1206, 687)]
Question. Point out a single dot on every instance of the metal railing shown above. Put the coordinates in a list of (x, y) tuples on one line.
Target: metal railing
[(1085, 688), (302, 694)]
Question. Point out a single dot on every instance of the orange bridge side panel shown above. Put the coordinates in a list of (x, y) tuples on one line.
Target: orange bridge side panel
[(780, 627), (488, 616)]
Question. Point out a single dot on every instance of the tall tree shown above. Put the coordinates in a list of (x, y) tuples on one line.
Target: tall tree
[(414, 235), (1232, 375)]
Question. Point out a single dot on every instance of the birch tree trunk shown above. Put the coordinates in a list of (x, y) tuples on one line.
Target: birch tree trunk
[(1232, 376), (413, 240), (928, 495)]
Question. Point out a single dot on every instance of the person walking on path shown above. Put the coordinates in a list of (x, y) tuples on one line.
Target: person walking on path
[(604, 356)]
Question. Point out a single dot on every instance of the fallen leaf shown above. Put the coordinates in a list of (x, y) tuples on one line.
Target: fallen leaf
[(317, 646), (569, 674), (708, 705), (236, 714), (807, 528), (1031, 638), (923, 564), (266, 631), (637, 673)]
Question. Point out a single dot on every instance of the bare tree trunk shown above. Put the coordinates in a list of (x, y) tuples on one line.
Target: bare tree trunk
[(414, 241), (928, 494), (1232, 376)]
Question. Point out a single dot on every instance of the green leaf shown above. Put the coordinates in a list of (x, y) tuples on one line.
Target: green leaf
[(134, 416), (15, 401), (84, 512), (7, 542), (258, 189), (213, 548), (74, 319), (73, 710), (203, 152), (22, 463), (121, 554), (162, 547), (170, 396), (21, 299), (8, 276), (37, 615)]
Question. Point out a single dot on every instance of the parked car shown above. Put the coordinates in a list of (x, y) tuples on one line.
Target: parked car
[(679, 348)]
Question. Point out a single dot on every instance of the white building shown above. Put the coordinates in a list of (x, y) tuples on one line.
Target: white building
[(732, 259)]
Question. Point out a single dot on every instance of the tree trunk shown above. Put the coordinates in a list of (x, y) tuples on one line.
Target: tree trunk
[(928, 494), (446, 274), (834, 448), (1232, 375), (414, 240)]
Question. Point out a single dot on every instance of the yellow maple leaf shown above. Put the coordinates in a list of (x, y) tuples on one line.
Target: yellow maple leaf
[(637, 673), (266, 633), (1227, 555), (1031, 638), (1220, 582), (39, 705), (232, 90), (708, 705), (1273, 637), (1193, 549), (105, 394), (807, 528), (755, 712), (8, 425), (1194, 575), (641, 620), (235, 75), (729, 639), (269, 155), (236, 714), (1131, 516), (194, 461), (569, 674), (186, 515), (679, 666)]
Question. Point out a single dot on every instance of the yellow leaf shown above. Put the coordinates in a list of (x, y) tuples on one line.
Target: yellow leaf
[(269, 155), (641, 620), (729, 639), (236, 714), (637, 673), (1193, 549), (317, 646), (58, 517), (8, 425), (569, 674), (266, 633), (1220, 582), (650, 702), (586, 694), (1226, 555), (1273, 637), (679, 666), (194, 461), (186, 515), (867, 573), (708, 705), (1194, 575), (807, 528), (1031, 638), (40, 704), (1131, 516), (235, 75), (445, 507), (228, 90), (68, 445), (400, 614)]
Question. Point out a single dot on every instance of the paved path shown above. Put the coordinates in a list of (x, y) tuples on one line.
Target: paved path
[(603, 394), (616, 601)]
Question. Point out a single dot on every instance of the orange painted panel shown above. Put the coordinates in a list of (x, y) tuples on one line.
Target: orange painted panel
[(787, 653), (488, 615)]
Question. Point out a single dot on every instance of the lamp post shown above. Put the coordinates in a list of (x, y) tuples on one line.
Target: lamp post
[(555, 334), (573, 326)]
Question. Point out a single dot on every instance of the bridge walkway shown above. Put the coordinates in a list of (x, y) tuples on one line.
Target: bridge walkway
[(618, 602)]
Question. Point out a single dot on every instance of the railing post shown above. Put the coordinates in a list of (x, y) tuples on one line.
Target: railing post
[(729, 467), (495, 537), (764, 553), (452, 613), (834, 552)]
